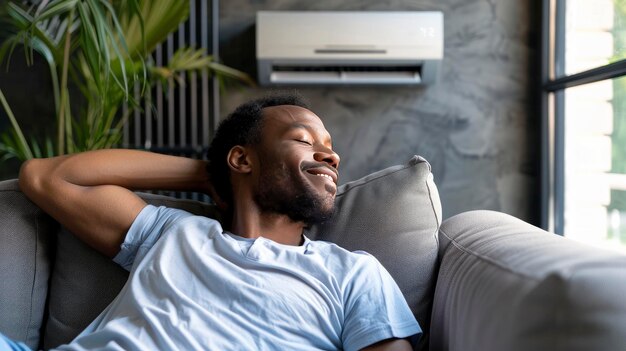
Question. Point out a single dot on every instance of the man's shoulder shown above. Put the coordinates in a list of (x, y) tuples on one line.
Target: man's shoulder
[(165, 218)]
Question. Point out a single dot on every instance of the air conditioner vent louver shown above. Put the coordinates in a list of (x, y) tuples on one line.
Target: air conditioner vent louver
[(352, 68), (282, 74)]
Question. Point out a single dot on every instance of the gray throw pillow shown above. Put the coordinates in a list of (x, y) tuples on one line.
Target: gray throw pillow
[(393, 214)]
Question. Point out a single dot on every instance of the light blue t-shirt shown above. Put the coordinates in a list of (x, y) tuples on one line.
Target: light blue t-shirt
[(193, 286)]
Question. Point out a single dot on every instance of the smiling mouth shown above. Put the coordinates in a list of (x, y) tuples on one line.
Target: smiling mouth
[(325, 172), (326, 176)]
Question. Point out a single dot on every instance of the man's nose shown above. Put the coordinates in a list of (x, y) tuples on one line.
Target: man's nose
[(328, 156)]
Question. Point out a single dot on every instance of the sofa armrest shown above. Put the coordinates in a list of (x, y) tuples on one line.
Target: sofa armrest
[(504, 284)]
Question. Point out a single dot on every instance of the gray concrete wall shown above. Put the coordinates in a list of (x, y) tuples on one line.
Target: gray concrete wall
[(476, 126)]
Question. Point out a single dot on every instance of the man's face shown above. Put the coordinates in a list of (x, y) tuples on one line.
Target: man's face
[(298, 168)]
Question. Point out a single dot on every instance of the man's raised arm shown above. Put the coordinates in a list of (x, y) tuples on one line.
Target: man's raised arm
[(89, 194)]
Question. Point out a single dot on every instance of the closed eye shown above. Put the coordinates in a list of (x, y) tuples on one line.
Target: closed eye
[(304, 142)]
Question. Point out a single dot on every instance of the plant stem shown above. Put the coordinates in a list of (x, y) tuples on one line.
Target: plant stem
[(61, 127), (27, 152)]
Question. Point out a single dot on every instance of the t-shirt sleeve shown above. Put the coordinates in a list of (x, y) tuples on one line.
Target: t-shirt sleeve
[(375, 308), (146, 229)]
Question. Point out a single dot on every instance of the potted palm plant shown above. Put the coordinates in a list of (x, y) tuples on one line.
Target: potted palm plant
[(101, 48)]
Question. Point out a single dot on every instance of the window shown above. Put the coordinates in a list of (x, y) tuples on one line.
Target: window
[(584, 115)]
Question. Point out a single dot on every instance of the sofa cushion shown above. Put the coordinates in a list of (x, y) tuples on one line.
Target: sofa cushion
[(26, 236), (507, 285), (394, 214)]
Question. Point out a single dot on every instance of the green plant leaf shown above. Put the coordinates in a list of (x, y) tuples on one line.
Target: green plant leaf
[(105, 31), (159, 17), (57, 8), (36, 149), (189, 59), (23, 145), (29, 30), (225, 71), (7, 150), (7, 48)]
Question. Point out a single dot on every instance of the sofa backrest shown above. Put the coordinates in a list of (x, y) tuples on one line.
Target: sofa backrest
[(394, 214)]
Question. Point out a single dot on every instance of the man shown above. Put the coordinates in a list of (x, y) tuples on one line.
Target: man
[(258, 285)]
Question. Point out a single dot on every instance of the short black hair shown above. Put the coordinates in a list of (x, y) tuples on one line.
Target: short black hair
[(242, 127)]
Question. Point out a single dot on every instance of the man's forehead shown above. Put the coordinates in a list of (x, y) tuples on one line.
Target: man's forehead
[(292, 115), (288, 117)]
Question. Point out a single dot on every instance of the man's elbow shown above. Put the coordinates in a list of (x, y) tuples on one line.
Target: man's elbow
[(31, 177)]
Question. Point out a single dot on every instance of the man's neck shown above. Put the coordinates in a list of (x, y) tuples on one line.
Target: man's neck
[(251, 223)]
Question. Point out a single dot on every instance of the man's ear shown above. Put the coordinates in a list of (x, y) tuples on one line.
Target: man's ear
[(239, 159)]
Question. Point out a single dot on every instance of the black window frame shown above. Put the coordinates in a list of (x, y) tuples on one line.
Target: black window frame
[(554, 81)]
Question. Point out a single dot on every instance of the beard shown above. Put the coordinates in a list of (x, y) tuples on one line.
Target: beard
[(280, 192)]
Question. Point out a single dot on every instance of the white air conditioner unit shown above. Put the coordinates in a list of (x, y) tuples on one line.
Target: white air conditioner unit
[(348, 47)]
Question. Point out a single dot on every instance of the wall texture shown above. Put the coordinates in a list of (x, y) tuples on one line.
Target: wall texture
[(476, 126)]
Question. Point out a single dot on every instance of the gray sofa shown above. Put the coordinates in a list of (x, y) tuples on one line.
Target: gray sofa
[(482, 280)]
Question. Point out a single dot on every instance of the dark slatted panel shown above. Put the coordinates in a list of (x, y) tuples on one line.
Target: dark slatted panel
[(179, 119)]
